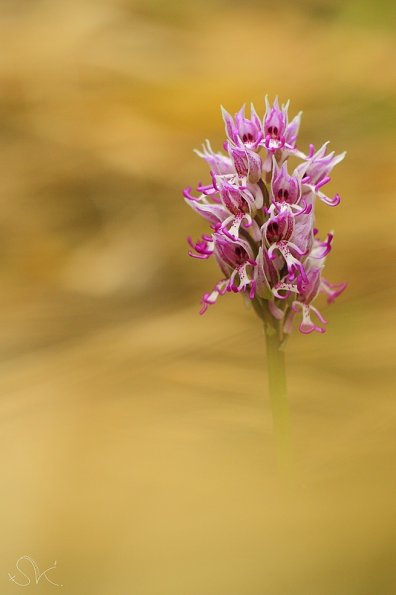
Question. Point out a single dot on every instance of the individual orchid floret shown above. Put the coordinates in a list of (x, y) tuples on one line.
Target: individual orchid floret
[(207, 204), (303, 231), (280, 224), (242, 201), (220, 164), (307, 326), (275, 123), (304, 302), (240, 128), (285, 187), (247, 163), (278, 132), (236, 260), (227, 203), (280, 136), (234, 256), (291, 254), (277, 233), (315, 285), (319, 166)]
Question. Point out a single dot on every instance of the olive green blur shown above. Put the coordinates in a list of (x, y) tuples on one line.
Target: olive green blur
[(136, 438)]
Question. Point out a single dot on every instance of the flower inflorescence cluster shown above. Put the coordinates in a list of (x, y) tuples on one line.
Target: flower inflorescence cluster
[(262, 225)]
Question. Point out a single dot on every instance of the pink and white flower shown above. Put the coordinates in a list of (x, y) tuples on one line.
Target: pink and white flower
[(218, 163), (316, 175), (227, 203), (236, 260), (242, 129), (247, 163), (261, 218), (280, 136)]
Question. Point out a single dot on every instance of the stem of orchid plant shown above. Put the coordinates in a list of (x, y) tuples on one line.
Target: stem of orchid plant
[(279, 401)]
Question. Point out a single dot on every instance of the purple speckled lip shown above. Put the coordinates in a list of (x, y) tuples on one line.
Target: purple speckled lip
[(261, 217)]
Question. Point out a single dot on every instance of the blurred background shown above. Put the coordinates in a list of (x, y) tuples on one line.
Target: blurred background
[(136, 437)]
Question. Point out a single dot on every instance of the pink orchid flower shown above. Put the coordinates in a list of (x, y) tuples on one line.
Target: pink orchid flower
[(261, 218)]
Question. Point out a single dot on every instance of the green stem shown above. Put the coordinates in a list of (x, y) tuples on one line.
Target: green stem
[(279, 402)]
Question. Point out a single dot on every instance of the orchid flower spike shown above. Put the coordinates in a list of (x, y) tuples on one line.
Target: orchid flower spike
[(261, 220)]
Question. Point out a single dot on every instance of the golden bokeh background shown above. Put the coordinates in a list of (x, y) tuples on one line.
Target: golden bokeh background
[(136, 437)]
